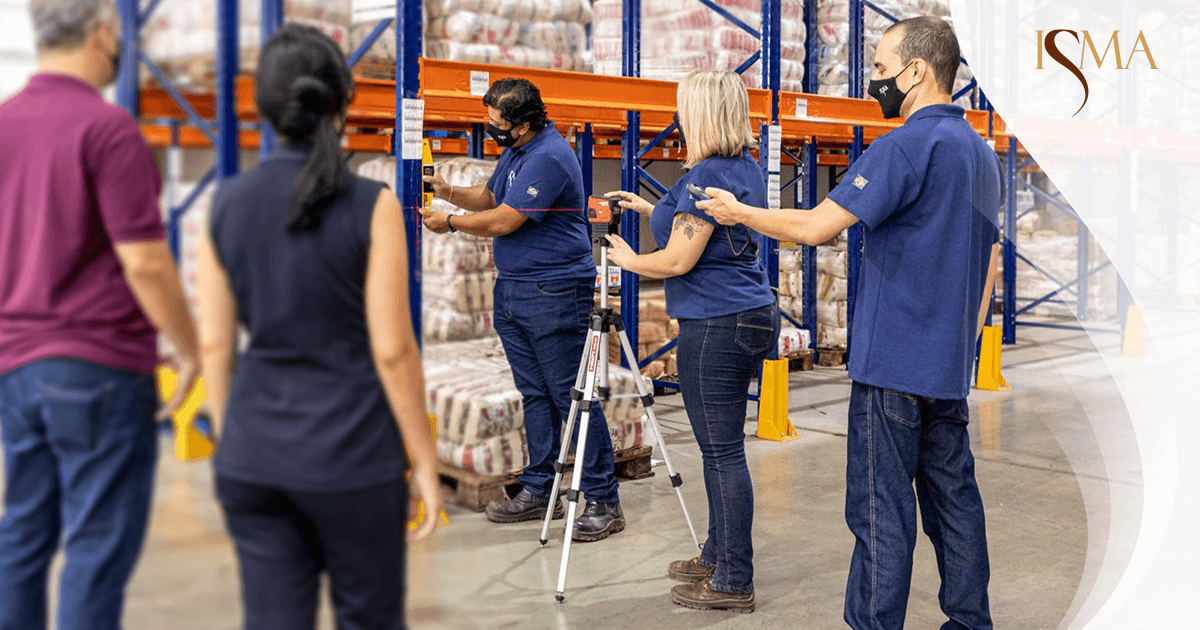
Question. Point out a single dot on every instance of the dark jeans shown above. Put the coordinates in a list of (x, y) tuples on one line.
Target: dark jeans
[(285, 539), (79, 452), (894, 439), (543, 326), (718, 358)]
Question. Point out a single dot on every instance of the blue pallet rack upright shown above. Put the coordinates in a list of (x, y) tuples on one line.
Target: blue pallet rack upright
[(224, 134), (410, 32)]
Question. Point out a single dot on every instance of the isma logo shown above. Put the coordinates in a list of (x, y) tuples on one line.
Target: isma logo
[(1046, 42)]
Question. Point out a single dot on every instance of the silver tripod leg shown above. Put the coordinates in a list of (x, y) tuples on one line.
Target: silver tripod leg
[(647, 405), (585, 405), (562, 450)]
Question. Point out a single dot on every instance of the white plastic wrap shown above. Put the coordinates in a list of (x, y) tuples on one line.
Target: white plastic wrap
[(470, 390), (181, 36), (683, 35), (833, 29), (792, 340), (532, 33), (459, 269)]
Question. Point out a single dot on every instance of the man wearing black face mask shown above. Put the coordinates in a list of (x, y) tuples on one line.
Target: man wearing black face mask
[(86, 278), (928, 194), (534, 207)]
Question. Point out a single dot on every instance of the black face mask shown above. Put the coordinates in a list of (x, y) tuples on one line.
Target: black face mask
[(888, 94), (116, 60), (679, 128), (503, 137)]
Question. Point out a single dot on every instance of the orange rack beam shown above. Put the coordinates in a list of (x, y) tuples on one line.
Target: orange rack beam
[(572, 98)]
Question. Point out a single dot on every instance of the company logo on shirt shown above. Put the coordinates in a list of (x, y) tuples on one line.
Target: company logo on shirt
[(860, 182), (512, 176), (531, 191)]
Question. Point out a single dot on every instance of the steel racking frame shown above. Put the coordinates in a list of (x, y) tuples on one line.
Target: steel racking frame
[(595, 105)]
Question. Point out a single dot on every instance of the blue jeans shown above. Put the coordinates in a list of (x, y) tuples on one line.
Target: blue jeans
[(895, 439), (544, 326), (718, 358), (79, 452)]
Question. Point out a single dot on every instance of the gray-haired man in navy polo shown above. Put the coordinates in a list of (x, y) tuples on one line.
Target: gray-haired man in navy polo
[(534, 207)]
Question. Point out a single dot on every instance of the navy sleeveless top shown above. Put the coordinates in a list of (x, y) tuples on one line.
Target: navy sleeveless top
[(306, 409)]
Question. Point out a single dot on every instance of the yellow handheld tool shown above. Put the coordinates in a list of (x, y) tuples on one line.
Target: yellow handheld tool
[(190, 443), (427, 170)]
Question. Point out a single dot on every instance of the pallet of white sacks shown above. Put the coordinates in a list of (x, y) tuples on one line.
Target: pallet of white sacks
[(474, 491)]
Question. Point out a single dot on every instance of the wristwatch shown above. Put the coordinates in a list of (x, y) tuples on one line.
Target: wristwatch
[(450, 226)]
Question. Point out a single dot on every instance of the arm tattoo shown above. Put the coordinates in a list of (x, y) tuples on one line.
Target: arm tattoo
[(689, 224)]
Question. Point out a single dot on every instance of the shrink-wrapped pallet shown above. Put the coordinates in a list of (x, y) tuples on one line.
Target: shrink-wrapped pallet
[(833, 31), (459, 269), (181, 35), (679, 36), (531, 33), (470, 389)]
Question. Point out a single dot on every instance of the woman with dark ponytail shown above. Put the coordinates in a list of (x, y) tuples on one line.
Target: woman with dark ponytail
[(314, 421)]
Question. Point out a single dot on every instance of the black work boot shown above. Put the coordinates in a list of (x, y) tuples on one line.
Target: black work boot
[(598, 521), (690, 571), (526, 506), (701, 596)]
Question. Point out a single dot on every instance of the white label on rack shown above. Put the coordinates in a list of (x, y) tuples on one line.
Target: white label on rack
[(480, 82), (801, 108), (773, 195), (775, 147), (413, 128), (437, 146), (666, 153), (372, 10)]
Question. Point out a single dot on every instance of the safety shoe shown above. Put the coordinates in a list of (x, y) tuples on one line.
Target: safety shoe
[(701, 596), (690, 571), (598, 521), (526, 506)]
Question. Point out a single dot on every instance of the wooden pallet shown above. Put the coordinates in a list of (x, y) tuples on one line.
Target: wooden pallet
[(800, 361), (831, 357), (474, 491), (631, 464)]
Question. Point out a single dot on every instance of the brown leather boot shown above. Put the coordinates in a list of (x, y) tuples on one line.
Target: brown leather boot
[(701, 596), (690, 571)]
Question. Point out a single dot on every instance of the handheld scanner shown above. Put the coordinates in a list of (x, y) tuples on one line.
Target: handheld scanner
[(697, 192)]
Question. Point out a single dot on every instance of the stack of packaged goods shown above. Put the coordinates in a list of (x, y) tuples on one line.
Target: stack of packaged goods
[(458, 272), (531, 33), (791, 282), (1050, 240), (181, 36), (833, 30), (470, 388), (679, 36), (831, 296), (655, 329)]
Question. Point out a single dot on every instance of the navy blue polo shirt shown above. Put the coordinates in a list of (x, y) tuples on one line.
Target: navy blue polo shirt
[(543, 181), (721, 283), (928, 194)]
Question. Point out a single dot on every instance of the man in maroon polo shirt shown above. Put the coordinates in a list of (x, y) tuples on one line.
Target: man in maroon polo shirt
[(85, 279)]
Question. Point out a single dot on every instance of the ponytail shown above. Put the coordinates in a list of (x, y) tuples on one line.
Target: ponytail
[(304, 87)]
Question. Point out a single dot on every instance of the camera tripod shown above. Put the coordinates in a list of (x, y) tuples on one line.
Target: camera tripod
[(592, 385)]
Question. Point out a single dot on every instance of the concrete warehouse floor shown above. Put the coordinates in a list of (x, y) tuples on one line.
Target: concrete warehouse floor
[(473, 574)]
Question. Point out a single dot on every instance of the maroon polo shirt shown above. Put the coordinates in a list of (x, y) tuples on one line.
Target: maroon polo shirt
[(76, 176)]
